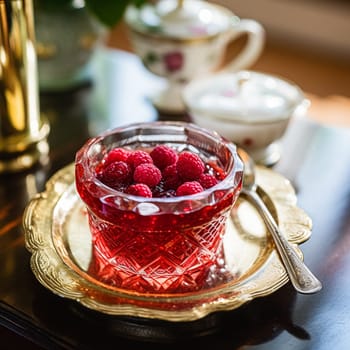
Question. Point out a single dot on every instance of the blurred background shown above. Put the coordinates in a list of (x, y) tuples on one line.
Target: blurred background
[(316, 26), (307, 41)]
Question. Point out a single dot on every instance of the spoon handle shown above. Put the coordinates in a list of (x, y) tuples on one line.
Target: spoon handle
[(300, 276)]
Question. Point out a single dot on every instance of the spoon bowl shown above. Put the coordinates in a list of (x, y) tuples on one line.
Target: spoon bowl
[(299, 274)]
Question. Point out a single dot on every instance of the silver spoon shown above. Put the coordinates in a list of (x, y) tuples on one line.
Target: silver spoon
[(300, 276)]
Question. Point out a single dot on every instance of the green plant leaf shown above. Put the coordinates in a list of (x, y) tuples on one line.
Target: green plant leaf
[(52, 5), (110, 12)]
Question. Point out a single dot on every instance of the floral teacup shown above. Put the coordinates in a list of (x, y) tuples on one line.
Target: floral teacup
[(183, 40)]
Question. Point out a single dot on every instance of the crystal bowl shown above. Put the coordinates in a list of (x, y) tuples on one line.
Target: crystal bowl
[(160, 244)]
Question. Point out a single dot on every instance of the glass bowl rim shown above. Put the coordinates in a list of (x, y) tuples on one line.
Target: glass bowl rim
[(223, 185)]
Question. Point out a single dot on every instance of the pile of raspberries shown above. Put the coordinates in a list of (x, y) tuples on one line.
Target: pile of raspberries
[(160, 172)]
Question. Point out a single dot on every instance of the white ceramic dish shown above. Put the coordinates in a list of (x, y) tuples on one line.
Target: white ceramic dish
[(250, 108)]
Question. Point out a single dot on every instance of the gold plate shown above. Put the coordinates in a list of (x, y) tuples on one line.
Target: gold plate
[(58, 236)]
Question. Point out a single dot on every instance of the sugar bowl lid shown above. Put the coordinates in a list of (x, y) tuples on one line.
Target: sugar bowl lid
[(245, 96), (179, 19)]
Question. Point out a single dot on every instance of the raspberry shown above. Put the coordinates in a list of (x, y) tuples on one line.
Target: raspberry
[(189, 166), (115, 174), (147, 174), (169, 171), (139, 157), (141, 190), (163, 156), (207, 180), (189, 187), (116, 155), (171, 178), (159, 172)]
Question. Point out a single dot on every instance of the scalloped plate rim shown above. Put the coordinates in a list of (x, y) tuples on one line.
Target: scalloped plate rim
[(77, 290)]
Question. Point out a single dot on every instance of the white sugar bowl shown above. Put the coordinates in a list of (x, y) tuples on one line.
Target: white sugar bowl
[(249, 108)]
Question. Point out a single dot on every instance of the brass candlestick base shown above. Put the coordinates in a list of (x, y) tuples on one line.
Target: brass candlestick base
[(25, 153), (23, 133)]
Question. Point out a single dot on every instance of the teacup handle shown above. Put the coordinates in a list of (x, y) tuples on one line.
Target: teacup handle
[(253, 48)]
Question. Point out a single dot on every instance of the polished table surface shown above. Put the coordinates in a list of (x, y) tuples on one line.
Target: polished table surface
[(315, 158)]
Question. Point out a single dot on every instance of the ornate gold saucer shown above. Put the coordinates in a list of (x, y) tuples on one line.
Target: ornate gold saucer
[(58, 236)]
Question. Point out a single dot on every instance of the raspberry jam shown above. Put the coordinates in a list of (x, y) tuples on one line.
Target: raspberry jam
[(167, 240)]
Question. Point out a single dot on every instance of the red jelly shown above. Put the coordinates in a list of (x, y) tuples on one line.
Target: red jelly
[(166, 243)]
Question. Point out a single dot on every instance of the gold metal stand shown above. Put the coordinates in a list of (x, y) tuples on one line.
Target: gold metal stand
[(22, 131)]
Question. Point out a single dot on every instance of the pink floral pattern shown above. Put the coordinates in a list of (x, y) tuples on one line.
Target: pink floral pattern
[(173, 61)]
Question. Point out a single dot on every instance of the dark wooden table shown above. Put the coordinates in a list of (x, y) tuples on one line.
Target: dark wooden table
[(315, 158)]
